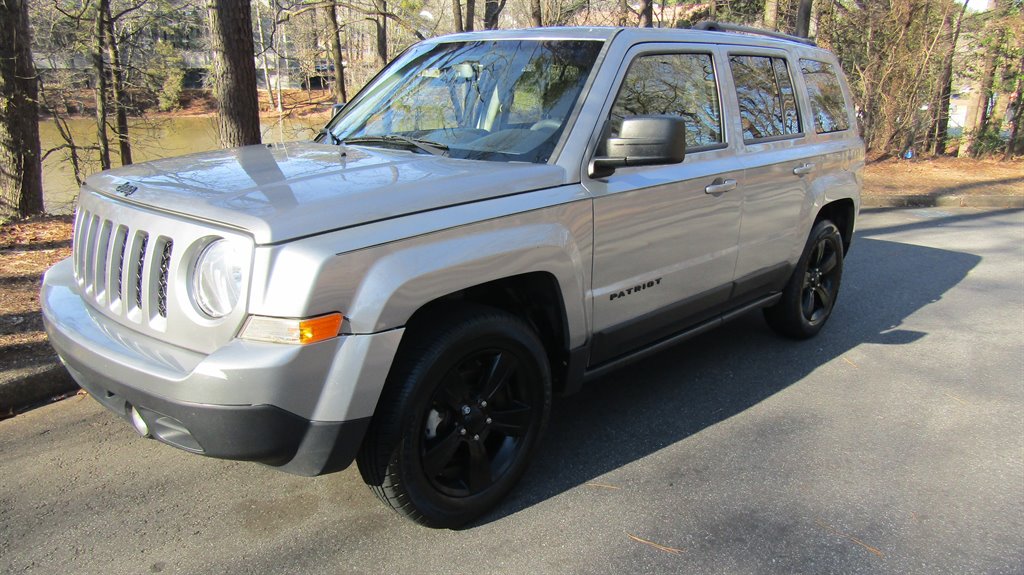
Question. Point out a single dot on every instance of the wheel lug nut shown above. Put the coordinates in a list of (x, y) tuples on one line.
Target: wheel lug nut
[(462, 431), (476, 438), (488, 420), (483, 404)]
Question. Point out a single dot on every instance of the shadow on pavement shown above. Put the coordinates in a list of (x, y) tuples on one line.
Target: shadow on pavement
[(645, 407)]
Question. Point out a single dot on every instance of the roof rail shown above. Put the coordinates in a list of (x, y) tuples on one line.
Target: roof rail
[(711, 26)]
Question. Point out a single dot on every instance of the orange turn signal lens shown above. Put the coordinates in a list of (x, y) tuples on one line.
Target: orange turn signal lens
[(319, 328), (293, 331)]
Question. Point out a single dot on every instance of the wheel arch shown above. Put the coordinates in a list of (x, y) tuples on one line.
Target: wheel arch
[(534, 297), (842, 213)]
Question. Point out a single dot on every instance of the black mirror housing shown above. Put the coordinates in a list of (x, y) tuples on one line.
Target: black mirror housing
[(643, 141)]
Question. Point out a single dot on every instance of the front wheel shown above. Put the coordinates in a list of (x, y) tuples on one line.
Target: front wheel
[(810, 295), (461, 413)]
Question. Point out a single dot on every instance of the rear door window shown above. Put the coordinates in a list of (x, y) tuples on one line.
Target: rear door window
[(767, 101), (827, 101)]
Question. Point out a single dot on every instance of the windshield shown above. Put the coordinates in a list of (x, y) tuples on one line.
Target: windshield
[(499, 100)]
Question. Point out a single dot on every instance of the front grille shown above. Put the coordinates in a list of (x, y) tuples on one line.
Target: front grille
[(131, 266), (121, 269)]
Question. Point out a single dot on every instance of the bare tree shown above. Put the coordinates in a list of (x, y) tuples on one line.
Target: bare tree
[(536, 16), (492, 11), (646, 13), (470, 15), (457, 16), (336, 55), (234, 72), (803, 19), (100, 78), (940, 123), (988, 76), (21, 180), (117, 85)]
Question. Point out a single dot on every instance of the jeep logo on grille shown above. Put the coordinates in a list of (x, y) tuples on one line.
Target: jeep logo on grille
[(126, 189)]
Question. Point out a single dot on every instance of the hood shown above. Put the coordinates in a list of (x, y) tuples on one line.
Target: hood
[(298, 189)]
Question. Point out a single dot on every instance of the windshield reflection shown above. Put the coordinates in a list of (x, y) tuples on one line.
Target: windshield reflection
[(499, 100)]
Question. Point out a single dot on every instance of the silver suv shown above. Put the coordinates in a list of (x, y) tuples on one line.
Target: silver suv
[(497, 217)]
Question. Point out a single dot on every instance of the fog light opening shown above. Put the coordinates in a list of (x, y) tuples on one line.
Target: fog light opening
[(138, 423)]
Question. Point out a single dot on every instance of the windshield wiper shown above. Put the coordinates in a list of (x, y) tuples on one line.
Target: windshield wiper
[(435, 148), (334, 139)]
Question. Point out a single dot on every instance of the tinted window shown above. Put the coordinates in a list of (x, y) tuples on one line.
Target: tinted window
[(677, 85), (766, 98), (827, 101)]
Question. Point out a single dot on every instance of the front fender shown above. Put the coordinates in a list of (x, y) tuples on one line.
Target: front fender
[(400, 278)]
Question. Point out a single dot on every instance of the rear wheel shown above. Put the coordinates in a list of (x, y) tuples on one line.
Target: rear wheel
[(461, 413), (810, 295)]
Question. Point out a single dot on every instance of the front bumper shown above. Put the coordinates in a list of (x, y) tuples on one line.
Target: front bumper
[(304, 409)]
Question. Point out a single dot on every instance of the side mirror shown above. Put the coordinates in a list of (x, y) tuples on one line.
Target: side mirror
[(643, 141), (337, 108)]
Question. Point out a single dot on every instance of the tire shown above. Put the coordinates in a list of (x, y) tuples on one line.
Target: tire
[(461, 413), (810, 294)]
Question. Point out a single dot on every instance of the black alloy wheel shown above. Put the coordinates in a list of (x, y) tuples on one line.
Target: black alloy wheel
[(458, 420), (477, 422), (821, 281), (810, 294)]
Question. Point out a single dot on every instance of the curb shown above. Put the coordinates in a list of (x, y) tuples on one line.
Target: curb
[(942, 201), (29, 385)]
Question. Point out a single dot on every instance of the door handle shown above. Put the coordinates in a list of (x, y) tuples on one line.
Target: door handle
[(719, 186), (803, 169)]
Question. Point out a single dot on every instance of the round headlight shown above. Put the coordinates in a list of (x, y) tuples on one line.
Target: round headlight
[(217, 278)]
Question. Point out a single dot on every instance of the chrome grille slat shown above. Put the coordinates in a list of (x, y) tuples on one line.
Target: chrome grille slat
[(89, 273), (76, 243), (138, 266), (117, 272), (165, 267), (99, 281)]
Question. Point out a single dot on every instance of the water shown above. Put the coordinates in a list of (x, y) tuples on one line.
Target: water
[(151, 139)]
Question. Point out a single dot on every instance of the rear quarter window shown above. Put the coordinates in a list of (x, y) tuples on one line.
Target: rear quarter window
[(826, 95)]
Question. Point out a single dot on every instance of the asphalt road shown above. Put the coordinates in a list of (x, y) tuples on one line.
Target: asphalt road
[(892, 443)]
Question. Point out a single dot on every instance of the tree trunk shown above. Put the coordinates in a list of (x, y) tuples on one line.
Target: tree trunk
[(339, 61), (803, 19), (124, 147), (280, 61), (492, 10), (646, 14), (941, 131), (470, 15), (457, 16), (977, 128), (263, 61), (21, 176), (234, 72), (100, 90), (536, 15), (1018, 114), (380, 24), (771, 14)]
